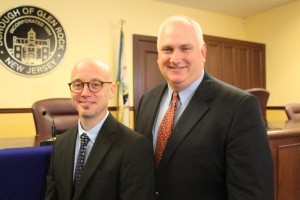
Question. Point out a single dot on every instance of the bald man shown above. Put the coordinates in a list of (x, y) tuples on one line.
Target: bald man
[(117, 163)]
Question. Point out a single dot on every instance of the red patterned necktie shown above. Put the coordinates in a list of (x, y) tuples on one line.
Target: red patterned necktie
[(165, 129)]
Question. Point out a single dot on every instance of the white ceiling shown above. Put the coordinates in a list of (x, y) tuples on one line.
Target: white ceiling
[(238, 8)]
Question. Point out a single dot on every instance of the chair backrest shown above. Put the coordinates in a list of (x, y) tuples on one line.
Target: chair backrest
[(57, 111), (263, 97), (292, 111)]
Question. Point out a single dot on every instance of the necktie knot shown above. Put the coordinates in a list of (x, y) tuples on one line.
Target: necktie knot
[(84, 139), (174, 98)]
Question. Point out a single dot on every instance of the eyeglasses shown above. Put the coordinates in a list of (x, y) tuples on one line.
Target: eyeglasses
[(94, 86)]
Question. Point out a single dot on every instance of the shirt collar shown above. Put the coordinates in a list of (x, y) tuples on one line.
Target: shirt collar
[(188, 92), (94, 131)]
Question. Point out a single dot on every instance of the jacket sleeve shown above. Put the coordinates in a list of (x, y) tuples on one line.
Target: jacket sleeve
[(249, 165), (137, 172)]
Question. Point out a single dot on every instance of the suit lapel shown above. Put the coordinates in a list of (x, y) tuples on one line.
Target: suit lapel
[(103, 143), (152, 109), (195, 110), (69, 162)]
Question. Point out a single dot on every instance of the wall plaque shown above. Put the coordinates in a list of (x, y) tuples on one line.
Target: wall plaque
[(32, 41)]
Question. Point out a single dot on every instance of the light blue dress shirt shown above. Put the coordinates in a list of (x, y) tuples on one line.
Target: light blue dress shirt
[(184, 98), (92, 134)]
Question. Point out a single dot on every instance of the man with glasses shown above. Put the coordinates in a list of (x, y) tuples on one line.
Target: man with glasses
[(100, 158)]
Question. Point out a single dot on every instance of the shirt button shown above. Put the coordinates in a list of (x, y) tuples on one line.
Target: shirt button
[(156, 194)]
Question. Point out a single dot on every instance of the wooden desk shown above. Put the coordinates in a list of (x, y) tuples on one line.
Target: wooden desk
[(284, 139), (21, 141)]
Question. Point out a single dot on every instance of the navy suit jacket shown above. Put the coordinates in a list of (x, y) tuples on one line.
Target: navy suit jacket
[(218, 149), (119, 167)]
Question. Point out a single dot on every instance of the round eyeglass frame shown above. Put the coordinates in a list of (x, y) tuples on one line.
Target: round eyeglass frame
[(88, 84)]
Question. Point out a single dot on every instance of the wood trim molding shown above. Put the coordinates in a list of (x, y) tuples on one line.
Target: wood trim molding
[(275, 107), (29, 110), (113, 108), (15, 110)]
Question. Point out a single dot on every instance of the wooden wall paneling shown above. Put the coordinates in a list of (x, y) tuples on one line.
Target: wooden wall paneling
[(236, 62), (258, 69), (243, 67), (229, 64), (284, 140), (288, 172), (146, 73), (213, 58)]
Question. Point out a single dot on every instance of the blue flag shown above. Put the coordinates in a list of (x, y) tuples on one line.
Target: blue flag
[(123, 114)]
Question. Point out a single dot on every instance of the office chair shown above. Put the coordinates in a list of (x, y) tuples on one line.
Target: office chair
[(57, 112), (263, 97), (292, 111)]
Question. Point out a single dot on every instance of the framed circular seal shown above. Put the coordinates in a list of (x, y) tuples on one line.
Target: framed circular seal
[(32, 41)]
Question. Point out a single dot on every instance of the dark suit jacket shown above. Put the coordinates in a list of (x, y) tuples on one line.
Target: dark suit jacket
[(218, 149), (119, 166)]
